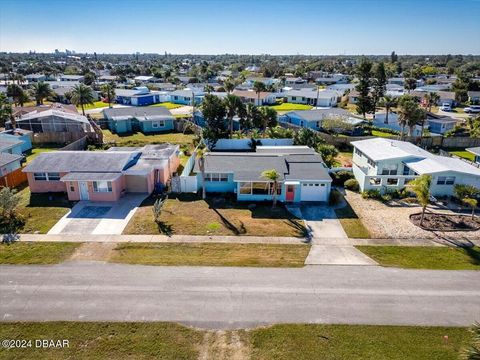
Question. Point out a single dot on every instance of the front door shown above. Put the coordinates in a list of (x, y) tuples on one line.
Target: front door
[(83, 190), (290, 195)]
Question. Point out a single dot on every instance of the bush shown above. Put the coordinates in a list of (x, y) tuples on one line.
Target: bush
[(335, 197), (351, 184), (371, 194), (341, 176)]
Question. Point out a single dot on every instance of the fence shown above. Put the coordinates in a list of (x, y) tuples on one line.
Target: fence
[(186, 182), (80, 144), (65, 137), (14, 179)]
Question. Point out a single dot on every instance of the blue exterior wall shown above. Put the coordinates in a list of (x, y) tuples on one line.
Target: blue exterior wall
[(300, 122), (145, 100), (217, 186), (252, 197), (436, 127), (146, 126), (120, 126), (19, 149), (7, 169)]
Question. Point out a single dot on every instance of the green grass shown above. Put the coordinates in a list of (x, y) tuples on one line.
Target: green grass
[(328, 342), (95, 105), (168, 105), (415, 257), (41, 211), (383, 134), (156, 340), (352, 225), (211, 254), (188, 214), (291, 107), (140, 139), (36, 252), (90, 340), (463, 154)]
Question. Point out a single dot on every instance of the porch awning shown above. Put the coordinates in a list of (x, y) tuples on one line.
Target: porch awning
[(292, 182), (91, 176)]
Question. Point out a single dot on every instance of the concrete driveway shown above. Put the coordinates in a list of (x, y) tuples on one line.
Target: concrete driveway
[(330, 243), (101, 218)]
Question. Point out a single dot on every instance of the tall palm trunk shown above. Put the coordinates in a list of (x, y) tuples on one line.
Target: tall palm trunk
[(231, 127), (386, 115), (274, 195)]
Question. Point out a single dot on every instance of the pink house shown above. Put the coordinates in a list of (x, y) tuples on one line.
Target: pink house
[(103, 175)]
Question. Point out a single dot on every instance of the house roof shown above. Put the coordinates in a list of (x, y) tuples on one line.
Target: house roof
[(73, 77), (311, 93), (249, 166), (18, 111), (7, 142), (6, 158), (318, 114), (474, 150), (473, 93), (251, 94), (421, 161), (53, 112), (82, 161), (140, 113)]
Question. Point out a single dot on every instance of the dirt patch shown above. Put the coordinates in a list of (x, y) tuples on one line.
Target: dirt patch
[(91, 251), (225, 345), (445, 222)]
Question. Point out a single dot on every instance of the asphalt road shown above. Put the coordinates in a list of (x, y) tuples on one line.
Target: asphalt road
[(216, 297)]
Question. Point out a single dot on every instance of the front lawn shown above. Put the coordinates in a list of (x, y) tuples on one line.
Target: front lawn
[(463, 154), (211, 254), (383, 134), (291, 107), (415, 257), (22, 253), (188, 214), (41, 211), (95, 105), (352, 225), (168, 105), (140, 139)]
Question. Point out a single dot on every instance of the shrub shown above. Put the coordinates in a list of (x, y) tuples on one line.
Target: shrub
[(387, 197), (341, 176), (351, 184), (335, 197), (371, 194)]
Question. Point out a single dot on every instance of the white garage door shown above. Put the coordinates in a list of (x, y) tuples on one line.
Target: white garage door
[(314, 192)]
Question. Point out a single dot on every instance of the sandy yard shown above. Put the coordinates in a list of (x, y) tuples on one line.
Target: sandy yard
[(392, 220)]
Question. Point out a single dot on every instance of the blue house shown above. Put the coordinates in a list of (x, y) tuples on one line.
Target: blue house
[(145, 120), (25, 136), (10, 155), (184, 97), (303, 176), (139, 96)]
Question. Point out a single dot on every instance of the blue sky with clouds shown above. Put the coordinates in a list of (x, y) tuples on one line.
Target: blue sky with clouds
[(245, 27)]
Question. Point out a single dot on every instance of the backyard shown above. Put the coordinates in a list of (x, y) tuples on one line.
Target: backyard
[(291, 107), (463, 154), (95, 105), (140, 139), (168, 105), (188, 214), (38, 150)]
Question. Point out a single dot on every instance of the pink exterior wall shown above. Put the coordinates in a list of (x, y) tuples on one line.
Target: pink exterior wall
[(45, 186), (117, 187)]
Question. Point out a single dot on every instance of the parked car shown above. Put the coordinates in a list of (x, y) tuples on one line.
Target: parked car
[(446, 107), (472, 109)]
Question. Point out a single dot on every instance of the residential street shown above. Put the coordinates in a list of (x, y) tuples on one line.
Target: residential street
[(218, 297)]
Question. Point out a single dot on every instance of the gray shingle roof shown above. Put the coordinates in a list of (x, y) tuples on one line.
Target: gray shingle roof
[(134, 112), (7, 143), (89, 176), (318, 114), (81, 161), (6, 158)]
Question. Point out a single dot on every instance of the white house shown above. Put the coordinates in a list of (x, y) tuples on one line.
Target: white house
[(323, 98), (386, 165)]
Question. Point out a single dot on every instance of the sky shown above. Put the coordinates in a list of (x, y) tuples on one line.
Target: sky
[(310, 27)]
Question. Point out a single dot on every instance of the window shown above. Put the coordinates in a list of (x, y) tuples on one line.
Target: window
[(318, 124), (390, 169), (40, 176), (358, 152), (446, 180), (245, 188), (72, 187), (371, 163), (294, 98), (53, 176), (392, 181), (102, 186), (260, 188), (158, 124), (406, 170), (375, 181), (279, 189), (216, 177)]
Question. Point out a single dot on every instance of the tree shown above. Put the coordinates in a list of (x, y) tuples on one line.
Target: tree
[(157, 208), (269, 117), (410, 84), (82, 95), (41, 90), (421, 187), (233, 105), (229, 85), (213, 109), (258, 86), (17, 94), (272, 175), (252, 117), (337, 125), (389, 102), (431, 99), (108, 91), (328, 153), (201, 165), (9, 201), (307, 137), (379, 85), (5, 110), (364, 73), (408, 113), (393, 57), (461, 86), (467, 194), (208, 88)]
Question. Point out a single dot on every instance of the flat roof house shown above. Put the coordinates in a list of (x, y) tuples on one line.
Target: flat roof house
[(476, 153), (78, 78), (387, 165), (10, 154), (184, 97), (103, 175), (324, 98), (138, 96), (303, 174), (312, 119), (146, 120)]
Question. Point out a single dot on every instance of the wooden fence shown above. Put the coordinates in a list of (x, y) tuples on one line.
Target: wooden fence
[(14, 179), (80, 144)]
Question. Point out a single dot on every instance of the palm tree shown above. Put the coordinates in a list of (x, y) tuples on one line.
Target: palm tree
[(431, 99), (258, 86), (269, 117), (229, 85), (473, 351), (5, 110), (201, 165), (273, 176), (208, 88), (421, 187), (389, 102), (410, 84), (109, 92), (232, 105), (82, 95), (252, 116), (408, 113), (41, 90), (17, 94)]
